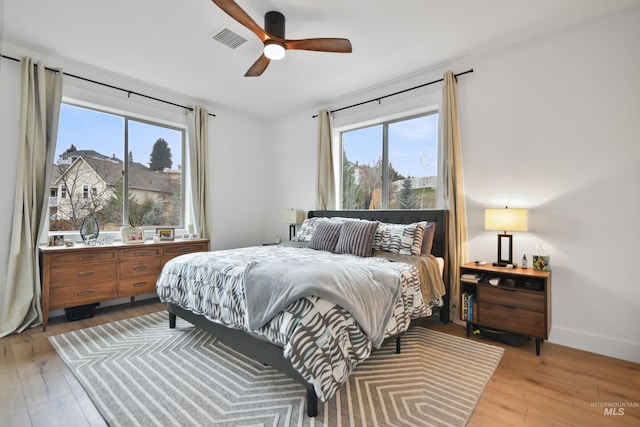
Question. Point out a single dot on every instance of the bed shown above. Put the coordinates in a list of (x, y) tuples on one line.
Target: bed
[(245, 296)]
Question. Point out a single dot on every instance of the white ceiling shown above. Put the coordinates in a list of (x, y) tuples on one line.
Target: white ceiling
[(167, 43)]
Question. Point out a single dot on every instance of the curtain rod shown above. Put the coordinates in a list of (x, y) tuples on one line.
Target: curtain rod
[(129, 92), (395, 93)]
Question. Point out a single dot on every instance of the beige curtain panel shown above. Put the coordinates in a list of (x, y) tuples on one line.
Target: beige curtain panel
[(41, 95), (198, 159), (453, 190), (326, 185)]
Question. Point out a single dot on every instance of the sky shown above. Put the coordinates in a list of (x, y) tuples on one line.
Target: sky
[(93, 130), (406, 138)]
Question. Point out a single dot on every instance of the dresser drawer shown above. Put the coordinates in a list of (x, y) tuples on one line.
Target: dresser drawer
[(512, 319), (69, 296), (141, 252), (175, 250), (140, 267), (512, 298), (80, 257), (83, 273), (137, 285)]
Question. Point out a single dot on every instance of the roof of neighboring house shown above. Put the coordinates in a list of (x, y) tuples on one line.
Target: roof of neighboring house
[(110, 171)]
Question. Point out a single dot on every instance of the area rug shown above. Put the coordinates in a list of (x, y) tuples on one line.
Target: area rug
[(138, 372)]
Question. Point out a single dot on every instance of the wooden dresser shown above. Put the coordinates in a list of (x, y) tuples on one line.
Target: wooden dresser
[(82, 275)]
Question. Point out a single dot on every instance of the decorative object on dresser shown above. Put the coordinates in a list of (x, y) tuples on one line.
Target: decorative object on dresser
[(292, 217), (89, 229), (132, 235), (80, 275), (515, 300), (507, 219)]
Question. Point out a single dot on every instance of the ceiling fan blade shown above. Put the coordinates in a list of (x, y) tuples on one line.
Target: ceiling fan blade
[(320, 44), (232, 9), (258, 67)]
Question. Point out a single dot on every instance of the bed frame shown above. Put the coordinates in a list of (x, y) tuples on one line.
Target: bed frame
[(270, 354)]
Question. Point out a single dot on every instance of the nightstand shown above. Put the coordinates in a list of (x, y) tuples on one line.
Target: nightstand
[(516, 300)]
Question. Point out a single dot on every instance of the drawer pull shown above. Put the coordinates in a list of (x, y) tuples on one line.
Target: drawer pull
[(143, 253), (85, 258), (183, 250), (139, 284), (140, 267), (85, 293), (84, 273)]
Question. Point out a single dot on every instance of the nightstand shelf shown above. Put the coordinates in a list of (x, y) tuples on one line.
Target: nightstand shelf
[(520, 303)]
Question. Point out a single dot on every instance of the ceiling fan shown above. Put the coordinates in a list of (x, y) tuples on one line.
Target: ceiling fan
[(273, 37)]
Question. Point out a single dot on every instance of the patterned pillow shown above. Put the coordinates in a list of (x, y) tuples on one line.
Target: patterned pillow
[(402, 239), (427, 238), (326, 235), (356, 237), (306, 229)]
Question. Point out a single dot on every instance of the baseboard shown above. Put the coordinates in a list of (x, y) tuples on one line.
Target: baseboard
[(600, 344)]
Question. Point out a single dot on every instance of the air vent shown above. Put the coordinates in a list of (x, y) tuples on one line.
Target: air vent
[(229, 38)]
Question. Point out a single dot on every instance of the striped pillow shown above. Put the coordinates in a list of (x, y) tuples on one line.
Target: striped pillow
[(325, 237), (356, 237), (402, 239)]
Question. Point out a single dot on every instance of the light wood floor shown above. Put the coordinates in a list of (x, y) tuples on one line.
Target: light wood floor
[(562, 387)]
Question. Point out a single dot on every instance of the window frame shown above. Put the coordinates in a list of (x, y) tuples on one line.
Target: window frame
[(128, 116), (384, 121)]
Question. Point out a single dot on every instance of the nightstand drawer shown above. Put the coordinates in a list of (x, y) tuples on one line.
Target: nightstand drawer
[(512, 298), (512, 319)]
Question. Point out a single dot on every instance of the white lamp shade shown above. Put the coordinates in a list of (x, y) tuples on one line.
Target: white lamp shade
[(506, 219), (291, 216), (274, 51)]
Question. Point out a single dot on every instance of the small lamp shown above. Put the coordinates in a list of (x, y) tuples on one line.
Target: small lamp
[(292, 217), (505, 220)]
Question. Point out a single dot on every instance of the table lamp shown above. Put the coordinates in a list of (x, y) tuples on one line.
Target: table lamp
[(505, 220), (291, 217)]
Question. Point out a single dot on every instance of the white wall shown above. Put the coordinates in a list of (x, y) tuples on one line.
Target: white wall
[(551, 125)]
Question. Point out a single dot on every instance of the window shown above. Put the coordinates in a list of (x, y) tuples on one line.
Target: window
[(391, 165), (133, 168)]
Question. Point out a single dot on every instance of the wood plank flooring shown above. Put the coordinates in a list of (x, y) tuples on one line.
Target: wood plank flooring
[(563, 386)]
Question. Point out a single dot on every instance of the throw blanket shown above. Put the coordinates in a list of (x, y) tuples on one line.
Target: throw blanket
[(368, 293)]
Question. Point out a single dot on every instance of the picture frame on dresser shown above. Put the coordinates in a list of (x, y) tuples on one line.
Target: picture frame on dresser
[(133, 235), (166, 234)]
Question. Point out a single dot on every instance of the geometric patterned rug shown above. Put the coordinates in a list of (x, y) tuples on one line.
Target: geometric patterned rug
[(138, 372)]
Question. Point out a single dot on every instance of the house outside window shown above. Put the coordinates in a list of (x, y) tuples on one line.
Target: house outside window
[(120, 169), (391, 164)]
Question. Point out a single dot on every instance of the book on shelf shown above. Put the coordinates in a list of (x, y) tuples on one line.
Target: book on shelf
[(468, 302), (470, 277)]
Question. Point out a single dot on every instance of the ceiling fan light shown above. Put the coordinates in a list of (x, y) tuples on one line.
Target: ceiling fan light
[(273, 50)]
